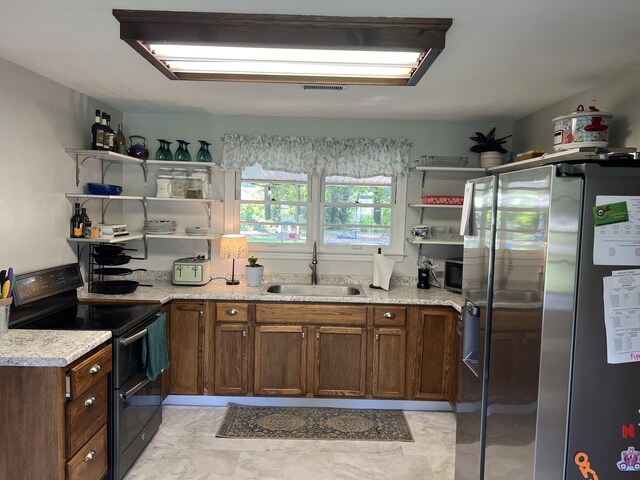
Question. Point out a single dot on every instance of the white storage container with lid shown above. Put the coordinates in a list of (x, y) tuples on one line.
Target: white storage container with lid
[(581, 129)]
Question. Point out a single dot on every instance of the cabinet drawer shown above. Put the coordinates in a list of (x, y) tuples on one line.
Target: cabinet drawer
[(90, 370), (232, 312), (85, 415), (389, 316), (311, 314), (90, 463)]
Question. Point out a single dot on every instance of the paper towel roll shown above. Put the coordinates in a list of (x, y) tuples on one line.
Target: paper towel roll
[(382, 270)]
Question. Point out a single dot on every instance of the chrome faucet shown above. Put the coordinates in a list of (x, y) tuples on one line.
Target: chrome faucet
[(314, 265)]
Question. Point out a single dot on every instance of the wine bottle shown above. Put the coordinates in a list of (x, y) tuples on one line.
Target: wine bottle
[(121, 143), (96, 136), (85, 221), (76, 223), (104, 131), (110, 136)]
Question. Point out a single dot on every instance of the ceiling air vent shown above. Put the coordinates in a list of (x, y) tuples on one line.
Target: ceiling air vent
[(334, 88)]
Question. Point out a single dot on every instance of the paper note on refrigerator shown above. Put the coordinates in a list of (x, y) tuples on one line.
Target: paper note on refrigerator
[(618, 243), (622, 316)]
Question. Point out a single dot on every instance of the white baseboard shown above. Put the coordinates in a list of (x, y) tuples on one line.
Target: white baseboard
[(207, 401)]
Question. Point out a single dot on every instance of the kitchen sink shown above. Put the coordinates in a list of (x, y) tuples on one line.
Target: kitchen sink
[(314, 290)]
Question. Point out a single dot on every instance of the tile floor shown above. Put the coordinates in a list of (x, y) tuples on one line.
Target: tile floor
[(186, 448)]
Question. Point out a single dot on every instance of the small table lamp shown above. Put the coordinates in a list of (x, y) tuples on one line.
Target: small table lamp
[(233, 245)]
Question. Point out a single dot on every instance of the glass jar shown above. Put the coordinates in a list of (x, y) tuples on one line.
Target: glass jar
[(178, 186), (194, 188), (164, 183), (165, 172), (203, 174)]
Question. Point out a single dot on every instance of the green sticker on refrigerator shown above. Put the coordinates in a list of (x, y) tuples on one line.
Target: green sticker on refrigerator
[(611, 213)]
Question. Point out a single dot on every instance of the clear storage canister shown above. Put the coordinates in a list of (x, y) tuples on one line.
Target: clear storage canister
[(164, 186), (179, 186), (194, 188), (203, 174)]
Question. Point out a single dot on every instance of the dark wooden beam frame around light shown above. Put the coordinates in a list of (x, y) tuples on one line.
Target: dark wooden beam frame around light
[(140, 27)]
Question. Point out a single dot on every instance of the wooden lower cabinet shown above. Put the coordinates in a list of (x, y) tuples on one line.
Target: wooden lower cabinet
[(190, 344), (53, 420), (432, 353), (280, 360), (232, 347), (340, 361), (389, 362)]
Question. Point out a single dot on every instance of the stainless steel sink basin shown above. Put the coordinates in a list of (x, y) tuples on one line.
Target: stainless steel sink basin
[(314, 290), (515, 296)]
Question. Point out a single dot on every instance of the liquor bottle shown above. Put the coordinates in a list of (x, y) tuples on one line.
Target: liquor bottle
[(110, 136), (76, 223), (86, 223), (104, 131), (121, 142), (97, 134)]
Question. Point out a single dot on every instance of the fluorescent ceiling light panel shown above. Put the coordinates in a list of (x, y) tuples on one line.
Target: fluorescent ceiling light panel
[(285, 48)]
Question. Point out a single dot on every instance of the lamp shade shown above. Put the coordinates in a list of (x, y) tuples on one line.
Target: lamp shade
[(233, 245)]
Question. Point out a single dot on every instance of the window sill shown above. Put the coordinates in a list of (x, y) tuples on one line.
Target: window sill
[(355, 255)]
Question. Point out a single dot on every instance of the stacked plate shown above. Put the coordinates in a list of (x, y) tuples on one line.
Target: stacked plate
[(196, 231), (159, 227)]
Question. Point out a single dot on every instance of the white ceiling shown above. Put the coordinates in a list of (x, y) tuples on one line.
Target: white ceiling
[(503, 59)]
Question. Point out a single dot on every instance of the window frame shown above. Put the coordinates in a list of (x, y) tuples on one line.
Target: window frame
[(315, 223)]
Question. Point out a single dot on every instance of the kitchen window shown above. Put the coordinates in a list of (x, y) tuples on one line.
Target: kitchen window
[(278, 209), (274, 206)]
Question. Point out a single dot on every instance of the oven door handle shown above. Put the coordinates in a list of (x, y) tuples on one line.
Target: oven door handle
[(133, 390), (129, 340)]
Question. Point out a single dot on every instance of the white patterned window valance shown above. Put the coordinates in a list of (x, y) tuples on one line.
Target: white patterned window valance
[(353, 157)]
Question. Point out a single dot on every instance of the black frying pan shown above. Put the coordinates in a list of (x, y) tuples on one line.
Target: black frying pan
[(111, 249), (117, 287), (117, 271), (114, 259)]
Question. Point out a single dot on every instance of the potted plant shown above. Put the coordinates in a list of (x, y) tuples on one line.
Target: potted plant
[(490, 148), (254, 272)]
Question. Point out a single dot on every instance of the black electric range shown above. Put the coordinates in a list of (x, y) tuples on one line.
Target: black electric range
[(47, 300)]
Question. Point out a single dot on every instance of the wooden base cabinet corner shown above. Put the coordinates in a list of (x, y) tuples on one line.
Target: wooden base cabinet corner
[(190, 345), (432, 352), (53, 420)]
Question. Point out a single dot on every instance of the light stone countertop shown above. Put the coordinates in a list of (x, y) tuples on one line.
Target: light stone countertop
[(47, 348), (164, 291)]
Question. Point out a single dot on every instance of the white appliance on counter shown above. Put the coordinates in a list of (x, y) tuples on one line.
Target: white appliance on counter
[(192, 271)]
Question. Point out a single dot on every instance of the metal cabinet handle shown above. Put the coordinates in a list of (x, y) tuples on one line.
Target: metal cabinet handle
[(201, 313), (231, 312), (303, 335), (90, 456), (377, 337), (318, 336), (244, 334), (89, 401), (389, 315), (95, 369)]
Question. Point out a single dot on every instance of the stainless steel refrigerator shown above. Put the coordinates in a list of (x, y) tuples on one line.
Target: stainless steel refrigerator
[(537, 399)]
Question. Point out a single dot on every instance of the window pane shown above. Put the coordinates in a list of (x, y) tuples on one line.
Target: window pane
[(278, 233), (358, 216), (278, 192), (273, 213), (345, 235), (357, 194)]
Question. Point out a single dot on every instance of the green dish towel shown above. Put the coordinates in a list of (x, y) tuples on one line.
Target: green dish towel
[(154, 348)]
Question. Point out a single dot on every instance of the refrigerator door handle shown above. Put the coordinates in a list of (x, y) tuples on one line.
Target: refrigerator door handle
[(471, 337)]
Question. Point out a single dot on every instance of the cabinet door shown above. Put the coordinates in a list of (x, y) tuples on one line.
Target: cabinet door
[(187, 348), (280, 360), (389, 354), (435, 365), (231, 359), (339, 361)]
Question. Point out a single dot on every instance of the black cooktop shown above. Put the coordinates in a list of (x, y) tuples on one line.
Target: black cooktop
[(117, 318)]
